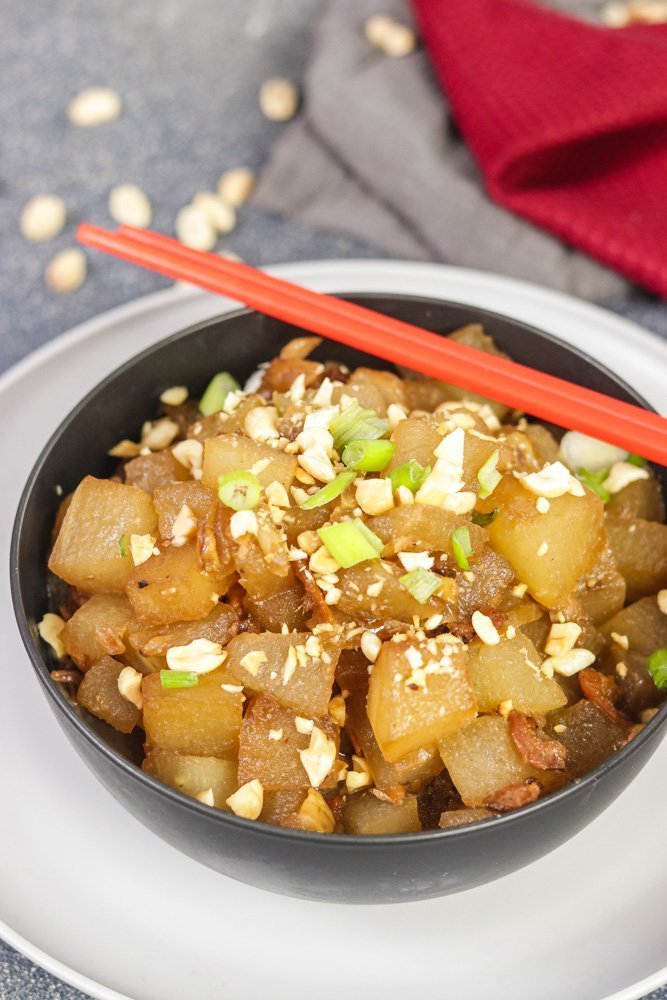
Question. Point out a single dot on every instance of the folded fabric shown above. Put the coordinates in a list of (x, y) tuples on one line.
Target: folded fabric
[(376, 153), (566, 120)]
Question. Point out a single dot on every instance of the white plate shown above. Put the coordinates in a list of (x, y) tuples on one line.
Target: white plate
[(95, 898)]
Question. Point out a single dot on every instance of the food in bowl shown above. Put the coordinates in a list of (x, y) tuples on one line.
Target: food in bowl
[(362, 603)]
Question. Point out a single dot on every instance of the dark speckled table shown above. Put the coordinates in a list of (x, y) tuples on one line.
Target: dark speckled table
[(189, 72)]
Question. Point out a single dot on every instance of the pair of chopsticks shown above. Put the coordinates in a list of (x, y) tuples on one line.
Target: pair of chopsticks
[(522, 388)]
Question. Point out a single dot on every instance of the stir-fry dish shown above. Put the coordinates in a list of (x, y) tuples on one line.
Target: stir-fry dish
[(362, 602)]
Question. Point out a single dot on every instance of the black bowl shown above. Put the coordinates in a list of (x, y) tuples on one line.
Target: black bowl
[(342, 869)]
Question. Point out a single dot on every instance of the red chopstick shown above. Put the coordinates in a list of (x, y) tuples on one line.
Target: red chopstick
[(518, 386)]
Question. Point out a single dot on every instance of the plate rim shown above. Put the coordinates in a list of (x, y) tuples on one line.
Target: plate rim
[(468, 279)]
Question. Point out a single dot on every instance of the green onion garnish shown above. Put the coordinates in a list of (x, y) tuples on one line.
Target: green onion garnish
[(421, 583), (483, 520), (370, 536), (368, 456), (461, 544), (637, 460), (350, 542), (657, 668), (594, 481), (239, 490), (355, 424), (122, 546), (216, 393), (330, 491), (488, 476), (179, 678), (412, 475)]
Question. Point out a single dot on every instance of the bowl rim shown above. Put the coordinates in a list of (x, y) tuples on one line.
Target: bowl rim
[(63, 707)]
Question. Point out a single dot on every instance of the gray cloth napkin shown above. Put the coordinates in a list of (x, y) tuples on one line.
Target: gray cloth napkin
[(375, 153)]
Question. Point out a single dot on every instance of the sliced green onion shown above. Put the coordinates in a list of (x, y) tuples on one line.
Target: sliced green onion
[(216, 393), (330, 491), (483, 520), (122, 546), (637, 460), (412, 475), (355, 424), (239, 490), (350, 542), (657, 668), (421, 583), (462, 546), (370, 536), (368, 456), (488, 476), (179, 678), (594, 481)]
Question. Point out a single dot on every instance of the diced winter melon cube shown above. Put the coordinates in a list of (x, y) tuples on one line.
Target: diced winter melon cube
[(203, 721), (418, 693), (589, 736), (549, 552), (297, 669), (366, 815), (97, 629), (192, 775), (87, 552), (482, 759), (172, 587), (640, 548), (98, 692), (218, 626), (270, 744), (461, 817), (235, 453), (511, 671), (641, 499), (149, 472), (373, 590), (170, 499), (418, 767), (420, 527)]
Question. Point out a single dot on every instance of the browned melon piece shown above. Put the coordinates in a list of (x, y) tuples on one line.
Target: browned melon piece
[(148, 472), (235, 452), (570, 536), (366, 815), (98, 692), (203, 721), (642, 499), (376, 389), (411, 706), (483, 759), (270, 743), (171, 498), (218, 626), (588, 736), (601, 593), (640, 548), (359, 598), (511, 671), (281, 808), (462, 817), (420, 527), (415, 438), (297, 669), (193, 775), (172, 587), (87, 552), (418, 768), (97, 629)]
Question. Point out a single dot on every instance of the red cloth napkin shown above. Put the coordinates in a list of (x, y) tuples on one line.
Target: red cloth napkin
[(567, 121)]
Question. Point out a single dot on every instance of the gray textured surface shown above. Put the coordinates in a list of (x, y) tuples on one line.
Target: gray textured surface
[(189, 75)]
